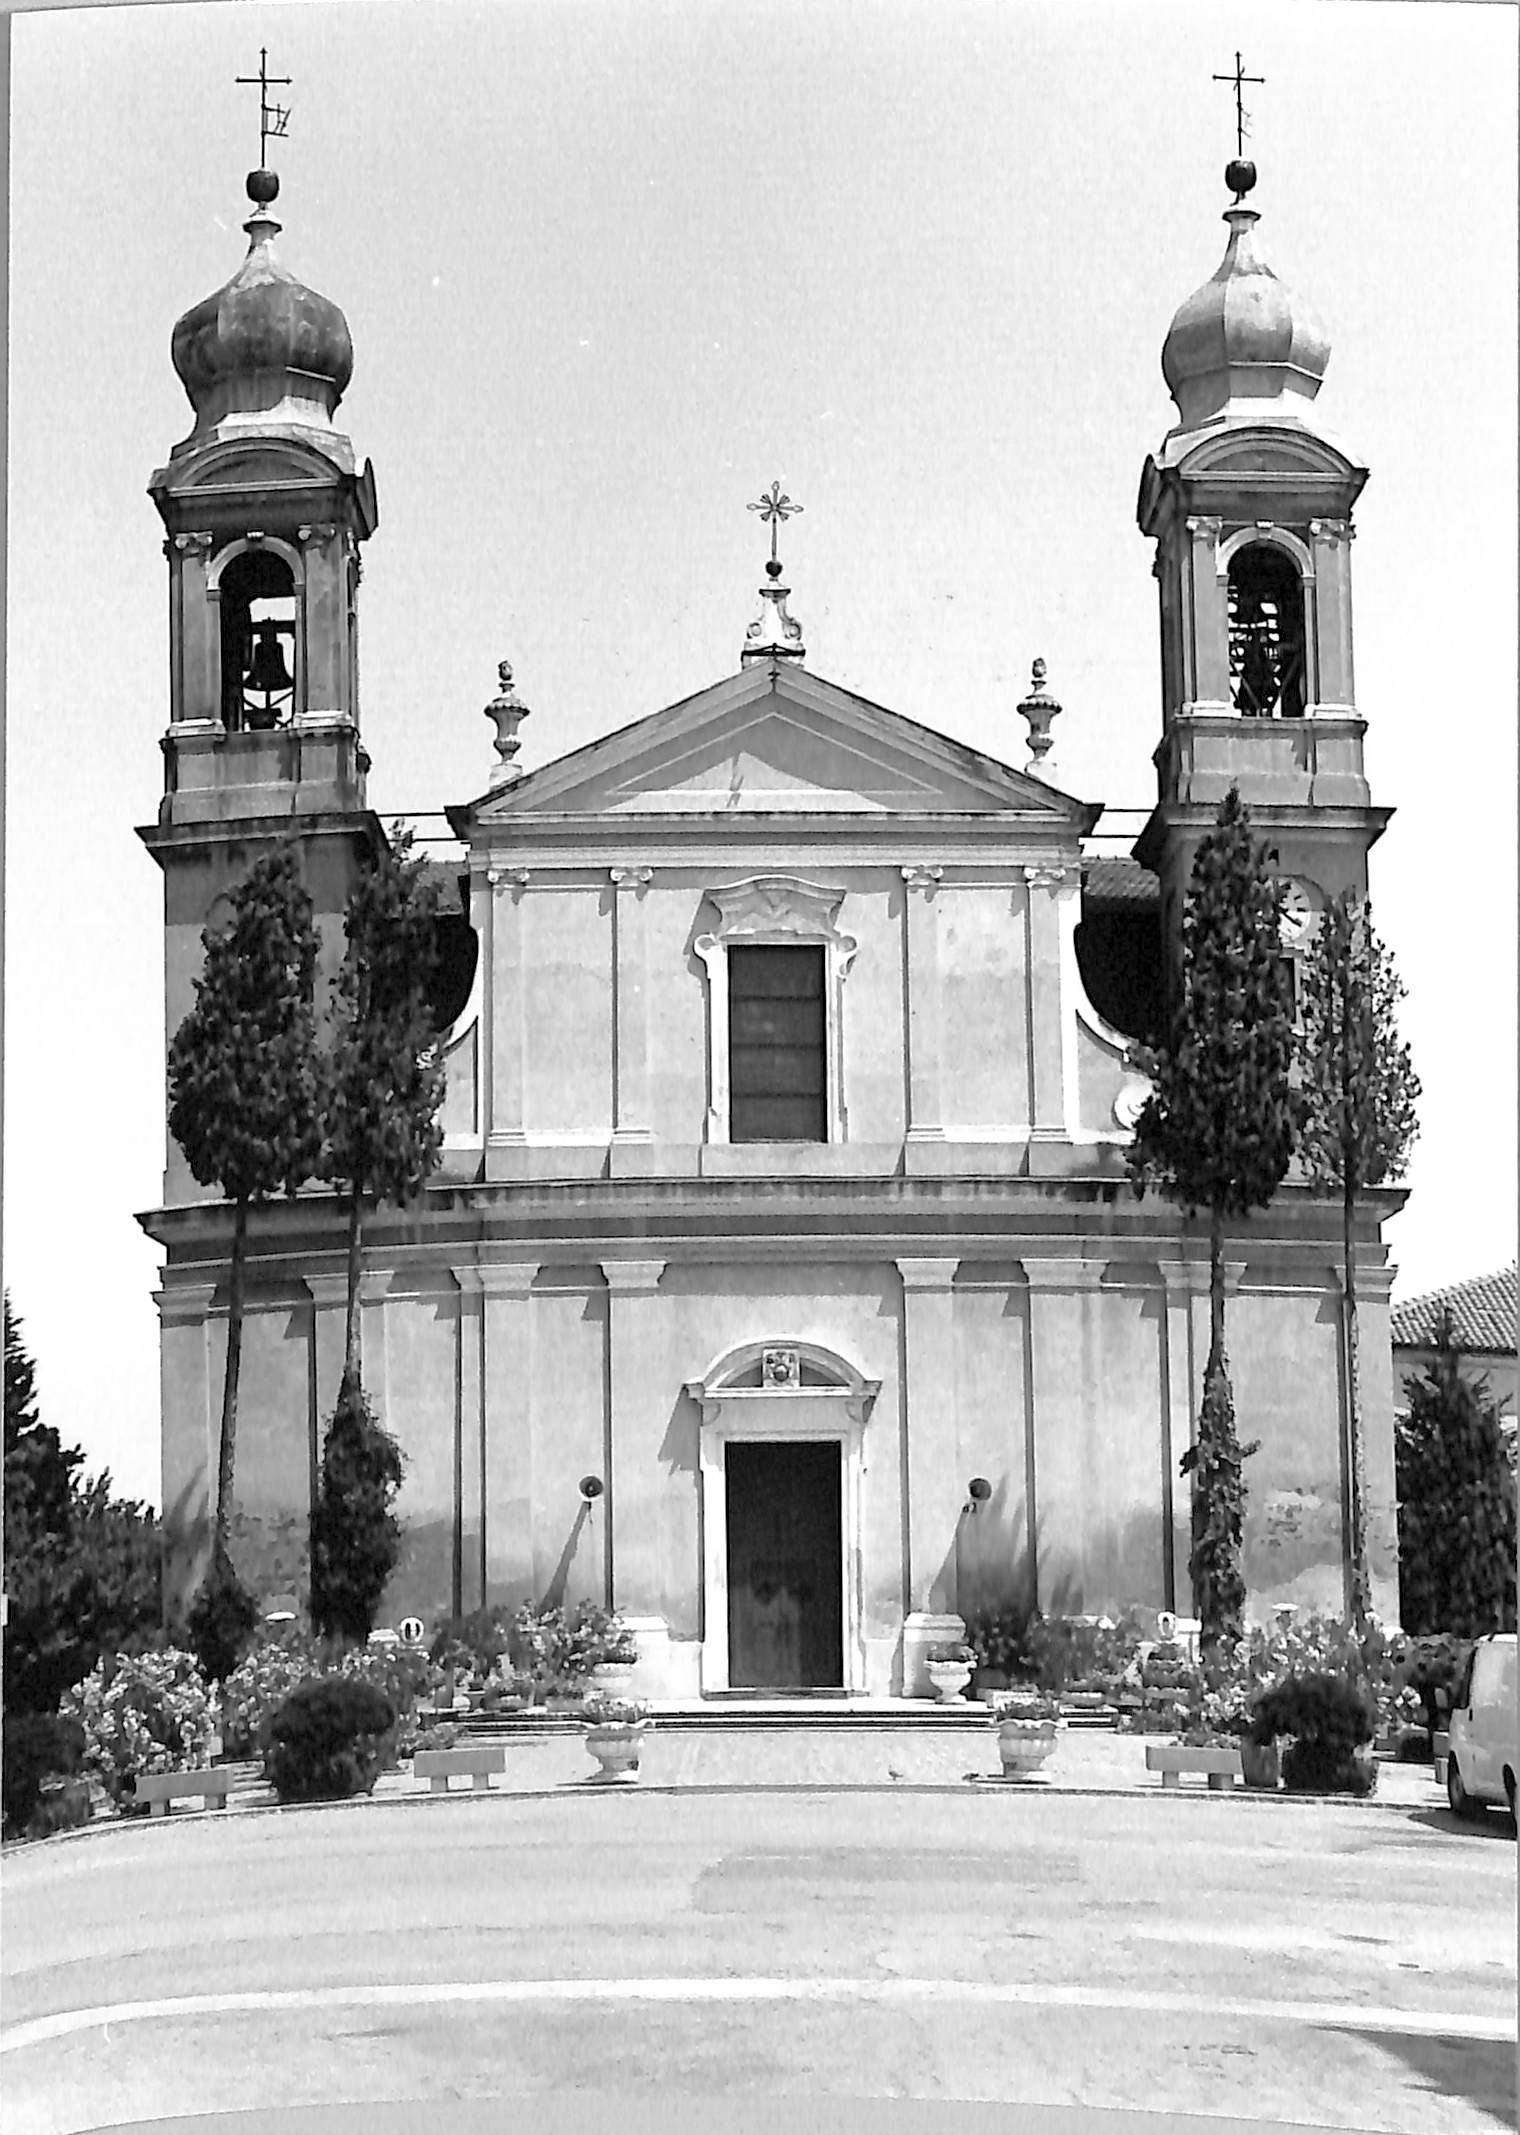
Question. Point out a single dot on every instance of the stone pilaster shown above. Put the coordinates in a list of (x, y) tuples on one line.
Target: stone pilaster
[(506, 1115), (1061, 1368), (1048, 1012), (1333, 683), (506, 1439), (472, 1433), (923, 1012), (191, 1409), (329, 1306), (630, 988), (936, 1487), (1206, 634), (641, 1393), (194, 654)]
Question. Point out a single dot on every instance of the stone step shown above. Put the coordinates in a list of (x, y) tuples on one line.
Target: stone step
[(884, 1715)]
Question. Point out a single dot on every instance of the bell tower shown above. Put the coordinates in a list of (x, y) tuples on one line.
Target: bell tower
[(264, 511), (1249, 504)]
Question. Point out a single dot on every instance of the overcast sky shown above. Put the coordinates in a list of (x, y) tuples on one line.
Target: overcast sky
[(611, 269)]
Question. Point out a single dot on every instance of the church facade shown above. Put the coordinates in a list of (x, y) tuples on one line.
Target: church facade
[(781, 1284)]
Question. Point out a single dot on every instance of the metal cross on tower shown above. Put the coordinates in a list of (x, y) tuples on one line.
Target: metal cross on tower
[(774, 507), (273, 118), (1238, 80)]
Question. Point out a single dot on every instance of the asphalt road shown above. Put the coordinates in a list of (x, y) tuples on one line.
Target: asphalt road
[(1329, 1964)]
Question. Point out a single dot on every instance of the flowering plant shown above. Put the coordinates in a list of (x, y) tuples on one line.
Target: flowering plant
[(614, 1712), (958, 1653), (261, 1682), (558, 1648), (996, 1639), (145, 1712), (1025, 1702)]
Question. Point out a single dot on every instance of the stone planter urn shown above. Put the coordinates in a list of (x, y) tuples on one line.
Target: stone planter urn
[(1024, 1745), (1259, 1764), (616, 1746), (610, 1679), (949, 1679)]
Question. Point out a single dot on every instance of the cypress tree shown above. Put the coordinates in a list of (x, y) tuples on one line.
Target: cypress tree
[(1456, 1490), (1359, 1092), (383, 1133), (245, 1107), (1215, 1135)]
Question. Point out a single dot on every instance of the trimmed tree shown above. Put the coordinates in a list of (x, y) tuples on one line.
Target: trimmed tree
[(355, 1535), (1359, 1091), (383, 1133), (245, 1107), (383, 1141), (1456, 1492), (1215, 1135)]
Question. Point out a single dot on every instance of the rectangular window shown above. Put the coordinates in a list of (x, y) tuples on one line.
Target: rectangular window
[(777, 1072)]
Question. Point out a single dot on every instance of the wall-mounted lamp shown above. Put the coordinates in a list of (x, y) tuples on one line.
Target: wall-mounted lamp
[(978, 1490), (591, 1488)]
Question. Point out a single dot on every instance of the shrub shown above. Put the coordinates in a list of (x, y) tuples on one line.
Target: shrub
[(1061, 1652), (327, 1741), (477, 1640), (996, 1637), (1328, 1718), (148, 1712), (223, 1617), (402, 1674), (38, 1746), (1432, 1664)]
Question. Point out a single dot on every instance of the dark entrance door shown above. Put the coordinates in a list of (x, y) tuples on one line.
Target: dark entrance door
[(785, 1592)]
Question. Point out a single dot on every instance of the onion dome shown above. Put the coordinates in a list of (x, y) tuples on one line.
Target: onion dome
[(264, 349), (1243, 344)]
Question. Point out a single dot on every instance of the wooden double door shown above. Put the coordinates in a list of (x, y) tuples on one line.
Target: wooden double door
[(785, 1565)]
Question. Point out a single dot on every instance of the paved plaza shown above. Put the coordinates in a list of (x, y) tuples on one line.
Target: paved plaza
[(773, 1915)]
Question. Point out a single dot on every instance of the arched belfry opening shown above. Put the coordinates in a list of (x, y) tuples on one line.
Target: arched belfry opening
[(1266, 625), (258, 641)]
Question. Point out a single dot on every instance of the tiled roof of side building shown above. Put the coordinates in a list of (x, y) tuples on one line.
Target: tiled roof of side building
[(1483, 1311), (1114, 879)]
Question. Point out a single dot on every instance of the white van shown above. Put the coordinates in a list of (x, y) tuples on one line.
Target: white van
[(1485, 1729)]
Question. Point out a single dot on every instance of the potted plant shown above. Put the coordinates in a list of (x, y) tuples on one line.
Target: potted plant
[(616, 1655), (949, 1670), (615, 1728), (1027, 1719)]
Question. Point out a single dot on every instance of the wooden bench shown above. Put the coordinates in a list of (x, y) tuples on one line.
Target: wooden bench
[(475, 1760), (1172, 1759), (160, 1788)]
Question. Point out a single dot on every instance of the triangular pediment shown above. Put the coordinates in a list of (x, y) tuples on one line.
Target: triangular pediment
[(774, 741)]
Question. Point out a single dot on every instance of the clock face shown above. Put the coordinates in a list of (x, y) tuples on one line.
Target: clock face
[(1297, 912)]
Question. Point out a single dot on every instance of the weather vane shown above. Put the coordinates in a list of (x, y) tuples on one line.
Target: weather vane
[(273, 118), (774, 507), (1238, 80)]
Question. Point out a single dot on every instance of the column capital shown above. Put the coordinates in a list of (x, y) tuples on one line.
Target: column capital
[(922, 878), (1047, 875), (188, 544), (929, 1274), (515, 878), (1191, 1277), (630, 1278), (327, 1290), (186, 1301), (1061, 1271), (499, 1278), (631, 878)]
